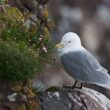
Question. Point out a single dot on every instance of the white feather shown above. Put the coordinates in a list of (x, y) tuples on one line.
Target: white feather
[(71, 42)]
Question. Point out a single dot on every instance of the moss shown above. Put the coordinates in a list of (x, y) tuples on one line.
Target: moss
[(21, 107), (16, 62)]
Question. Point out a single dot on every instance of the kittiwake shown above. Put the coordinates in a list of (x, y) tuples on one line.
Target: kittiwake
[(79, 63)]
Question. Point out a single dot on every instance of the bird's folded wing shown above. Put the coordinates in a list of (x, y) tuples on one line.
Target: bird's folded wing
[(84, 67)]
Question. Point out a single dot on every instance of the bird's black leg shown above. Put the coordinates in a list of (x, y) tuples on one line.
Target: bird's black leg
[(74, 86), (78, 87), (81, 86)]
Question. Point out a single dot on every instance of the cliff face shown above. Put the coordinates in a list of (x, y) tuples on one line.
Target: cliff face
[(63, 99), (78, 99)]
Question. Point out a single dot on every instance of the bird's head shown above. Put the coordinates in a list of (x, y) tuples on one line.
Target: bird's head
[(69, 40)]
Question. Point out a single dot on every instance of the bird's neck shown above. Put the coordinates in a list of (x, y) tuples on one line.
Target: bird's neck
[(66, 50)]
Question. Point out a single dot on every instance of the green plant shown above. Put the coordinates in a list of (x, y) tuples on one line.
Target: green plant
[(23, 51), (17, 62)]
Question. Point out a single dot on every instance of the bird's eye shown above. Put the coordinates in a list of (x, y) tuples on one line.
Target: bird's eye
[(69, 41)]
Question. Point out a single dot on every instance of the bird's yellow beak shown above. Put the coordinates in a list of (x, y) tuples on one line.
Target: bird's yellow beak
[(60, 45)]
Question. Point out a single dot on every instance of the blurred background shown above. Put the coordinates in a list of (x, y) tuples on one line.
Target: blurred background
[(90, 19)]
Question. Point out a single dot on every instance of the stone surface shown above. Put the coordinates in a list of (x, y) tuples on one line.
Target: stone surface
[(77, 99)]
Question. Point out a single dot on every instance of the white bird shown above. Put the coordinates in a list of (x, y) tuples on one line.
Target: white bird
[(79, 63)]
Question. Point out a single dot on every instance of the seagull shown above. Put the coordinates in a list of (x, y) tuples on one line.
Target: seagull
[(79, 63)]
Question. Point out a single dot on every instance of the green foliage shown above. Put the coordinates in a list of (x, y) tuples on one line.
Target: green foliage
[(18, 34), (11, 17), (17, 63), (2, 1), (53, 89), (14, 33), (21, 53)]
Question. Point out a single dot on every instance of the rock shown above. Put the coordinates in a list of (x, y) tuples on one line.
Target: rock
[(74, 99)]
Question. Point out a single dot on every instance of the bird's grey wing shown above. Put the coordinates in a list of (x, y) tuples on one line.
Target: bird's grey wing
[(84, 67), (95, 62)]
